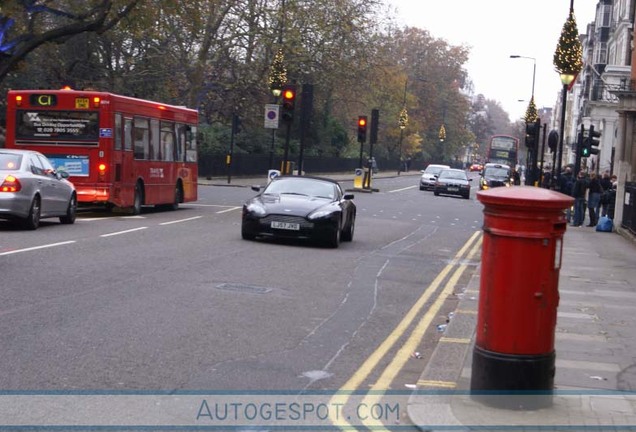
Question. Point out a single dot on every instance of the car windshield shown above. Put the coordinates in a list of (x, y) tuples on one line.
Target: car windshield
[(298, 186), (433, 170), (447, 174), (496, 172), (10, 161)]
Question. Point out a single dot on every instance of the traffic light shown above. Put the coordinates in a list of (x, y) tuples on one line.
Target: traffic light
[(553, 141), (289, 103), (531, 135), (593, 141), (585, 147), (362, 129)]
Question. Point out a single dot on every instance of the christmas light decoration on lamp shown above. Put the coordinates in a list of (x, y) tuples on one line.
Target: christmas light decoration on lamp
[(403, 120), (442, 133), (568, 62), (531, 113), (277, 74)]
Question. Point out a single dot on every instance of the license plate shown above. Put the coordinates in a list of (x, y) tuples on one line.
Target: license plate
[(286, 225), (453, 189), (81, 103)]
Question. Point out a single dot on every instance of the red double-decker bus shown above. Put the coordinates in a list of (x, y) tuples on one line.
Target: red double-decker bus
[(119, 151), (503, 149)]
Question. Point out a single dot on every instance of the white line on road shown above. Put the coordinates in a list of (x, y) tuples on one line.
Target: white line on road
[(180, 220), (123, 232), (36, 248), (403, 189), (228, 210)]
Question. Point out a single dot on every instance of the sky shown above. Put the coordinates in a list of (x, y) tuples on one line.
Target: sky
[(495, 30)]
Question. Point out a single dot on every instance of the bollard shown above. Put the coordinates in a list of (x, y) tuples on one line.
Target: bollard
[(518, 296)]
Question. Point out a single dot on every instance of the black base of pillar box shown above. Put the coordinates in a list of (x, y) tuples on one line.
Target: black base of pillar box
[(512, 381)]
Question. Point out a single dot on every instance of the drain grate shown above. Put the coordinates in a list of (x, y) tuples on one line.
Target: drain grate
[(250, 289)]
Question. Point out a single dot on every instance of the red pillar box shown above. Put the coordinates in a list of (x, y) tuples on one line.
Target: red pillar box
[(518, 296)]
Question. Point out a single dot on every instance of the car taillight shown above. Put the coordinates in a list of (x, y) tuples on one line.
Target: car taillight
[(10, 184)]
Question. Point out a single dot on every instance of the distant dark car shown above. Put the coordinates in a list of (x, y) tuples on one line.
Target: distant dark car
[(30, 189), (452, 182), (495, 175), (300, 207)]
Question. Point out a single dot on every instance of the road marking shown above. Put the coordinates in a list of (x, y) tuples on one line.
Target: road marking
[(403, 189), (180, 220), (123, 232), (403, 354), (36, 248), (433, 383), (374, 359), (228, 210), (455, 340)]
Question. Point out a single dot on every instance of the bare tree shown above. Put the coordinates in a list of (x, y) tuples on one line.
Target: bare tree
[(25, 26)]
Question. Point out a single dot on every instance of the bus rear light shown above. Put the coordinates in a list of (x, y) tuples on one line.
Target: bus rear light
[(101, 168), (18, 100), (10, 184), (67, 87), (161, 107), (96, 101)]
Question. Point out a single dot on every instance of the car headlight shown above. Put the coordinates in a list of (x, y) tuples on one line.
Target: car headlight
[(255, 209), (321, 214)]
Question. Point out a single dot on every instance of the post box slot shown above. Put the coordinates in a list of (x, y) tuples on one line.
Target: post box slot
[(560, 227)]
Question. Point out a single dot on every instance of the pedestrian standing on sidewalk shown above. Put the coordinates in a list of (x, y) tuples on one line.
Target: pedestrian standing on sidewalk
[(594, 198), (566, 182), (606, 184), (578, 193)]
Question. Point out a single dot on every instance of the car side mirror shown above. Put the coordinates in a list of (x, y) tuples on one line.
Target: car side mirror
[(256, 188), (62, 174), (348, 196)]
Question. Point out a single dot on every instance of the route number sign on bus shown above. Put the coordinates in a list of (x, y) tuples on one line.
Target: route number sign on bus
[(119, 151)]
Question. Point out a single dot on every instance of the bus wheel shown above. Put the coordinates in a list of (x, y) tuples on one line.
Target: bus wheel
[(178, 197), (136, 208)]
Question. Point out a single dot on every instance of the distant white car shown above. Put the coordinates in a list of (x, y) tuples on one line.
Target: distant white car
[(31, 189), (427, 181)]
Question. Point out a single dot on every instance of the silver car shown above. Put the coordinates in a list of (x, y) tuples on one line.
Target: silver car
[(429, 175), (31, 189)]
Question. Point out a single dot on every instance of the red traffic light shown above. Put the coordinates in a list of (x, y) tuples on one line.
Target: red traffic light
[(362, 121), (362, 129)]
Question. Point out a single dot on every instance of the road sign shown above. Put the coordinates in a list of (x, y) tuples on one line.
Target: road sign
[(272, 174), (271, 116)]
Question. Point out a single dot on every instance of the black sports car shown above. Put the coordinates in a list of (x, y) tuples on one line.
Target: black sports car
[(301, 207)]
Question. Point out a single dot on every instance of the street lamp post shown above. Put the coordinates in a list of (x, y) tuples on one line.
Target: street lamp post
[(534, 68), (566, 80), (402, 122)]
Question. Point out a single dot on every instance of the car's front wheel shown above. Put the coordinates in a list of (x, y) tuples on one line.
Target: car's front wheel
[(347, 235), (246, 234), (333, 240)]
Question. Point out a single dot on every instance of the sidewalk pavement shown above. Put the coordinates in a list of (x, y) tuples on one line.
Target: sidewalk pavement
[(595, 381)]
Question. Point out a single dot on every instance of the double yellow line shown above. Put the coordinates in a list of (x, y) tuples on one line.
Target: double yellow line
[(402, 356)]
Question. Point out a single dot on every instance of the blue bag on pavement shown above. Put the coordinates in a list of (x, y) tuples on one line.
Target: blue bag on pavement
[(604, 224)]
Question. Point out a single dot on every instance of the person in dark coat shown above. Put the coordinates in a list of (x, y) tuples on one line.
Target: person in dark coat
[(578, 193), (594, 198)]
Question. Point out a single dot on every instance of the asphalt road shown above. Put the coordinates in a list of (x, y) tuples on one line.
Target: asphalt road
[(177, 300)]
